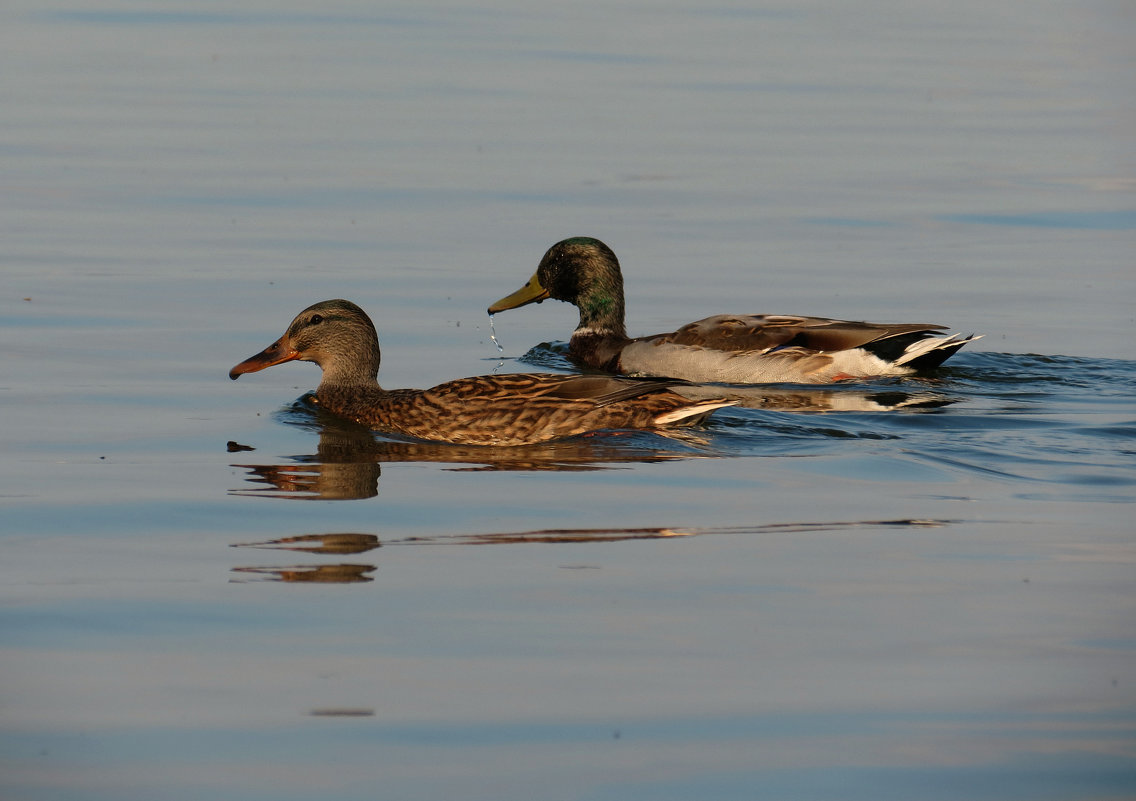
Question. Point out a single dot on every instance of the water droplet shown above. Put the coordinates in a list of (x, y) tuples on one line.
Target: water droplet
[(493, 335)]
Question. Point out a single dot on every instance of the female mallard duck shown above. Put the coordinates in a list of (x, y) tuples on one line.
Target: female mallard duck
[(737, 349), (511, 409)]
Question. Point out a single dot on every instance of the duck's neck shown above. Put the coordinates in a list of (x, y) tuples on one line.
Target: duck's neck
[(601, 335), (601, 314), (350, 371)]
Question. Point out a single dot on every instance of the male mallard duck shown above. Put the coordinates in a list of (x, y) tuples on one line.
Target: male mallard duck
[(738, 349), (511, 409)]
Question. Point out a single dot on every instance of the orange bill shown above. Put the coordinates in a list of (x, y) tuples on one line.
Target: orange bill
[(273, 354)]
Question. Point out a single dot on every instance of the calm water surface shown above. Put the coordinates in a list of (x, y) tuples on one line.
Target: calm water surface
[(919, 588)]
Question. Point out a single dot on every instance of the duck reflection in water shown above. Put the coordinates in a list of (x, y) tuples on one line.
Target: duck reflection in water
[(323, 544), (312, 574), (320, 543), (347, 573)]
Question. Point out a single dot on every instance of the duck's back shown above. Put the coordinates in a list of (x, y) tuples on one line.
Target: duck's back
[(757, 348), (514, 408)]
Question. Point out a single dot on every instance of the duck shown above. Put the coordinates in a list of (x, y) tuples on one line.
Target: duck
[(506, 409), (724, 348)]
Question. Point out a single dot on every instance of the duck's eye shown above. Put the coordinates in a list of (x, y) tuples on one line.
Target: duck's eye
[(316, 319)]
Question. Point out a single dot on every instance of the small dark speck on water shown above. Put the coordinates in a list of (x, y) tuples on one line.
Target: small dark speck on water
[(234, 447)]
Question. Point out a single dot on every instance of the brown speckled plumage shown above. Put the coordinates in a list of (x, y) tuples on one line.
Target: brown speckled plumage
[(743, 349), (509, 409)]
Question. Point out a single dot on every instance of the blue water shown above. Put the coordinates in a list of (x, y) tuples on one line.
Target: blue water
[(905, 588)]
